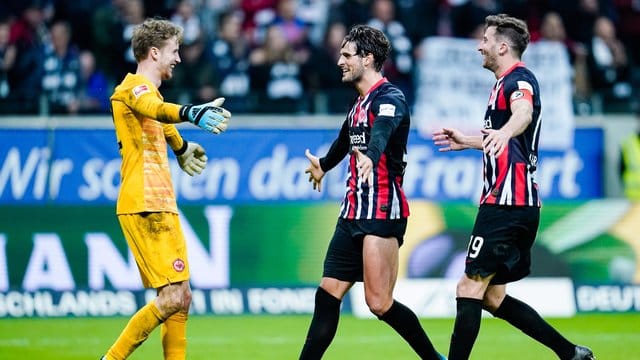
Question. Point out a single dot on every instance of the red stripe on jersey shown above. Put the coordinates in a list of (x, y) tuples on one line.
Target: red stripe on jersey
[(382, 198), (520, 184), (353, 188), (502, 102), (502, 167)]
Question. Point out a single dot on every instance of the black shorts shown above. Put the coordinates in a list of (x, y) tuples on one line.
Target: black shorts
[(344, 255), (501, 242)]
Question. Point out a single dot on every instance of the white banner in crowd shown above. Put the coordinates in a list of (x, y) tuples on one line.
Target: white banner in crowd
[(453, 88)]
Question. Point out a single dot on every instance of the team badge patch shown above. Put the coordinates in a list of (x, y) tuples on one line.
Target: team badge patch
[(517, 95), (387, 110), (140, 89), (178, 265)]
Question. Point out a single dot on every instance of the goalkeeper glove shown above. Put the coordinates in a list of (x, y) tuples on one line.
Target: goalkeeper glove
[(191, 158), (210, 116)]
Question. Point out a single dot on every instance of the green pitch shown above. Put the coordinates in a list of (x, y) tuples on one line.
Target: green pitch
[(612, 337)]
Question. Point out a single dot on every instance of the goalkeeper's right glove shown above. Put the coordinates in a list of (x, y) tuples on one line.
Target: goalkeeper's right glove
[(191, 158), (210, 116)]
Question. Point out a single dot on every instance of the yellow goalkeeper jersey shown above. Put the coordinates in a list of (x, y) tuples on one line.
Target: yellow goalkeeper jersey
[(143, 127)]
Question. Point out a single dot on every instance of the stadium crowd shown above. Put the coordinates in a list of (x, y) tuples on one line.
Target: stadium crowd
[(278, 56)]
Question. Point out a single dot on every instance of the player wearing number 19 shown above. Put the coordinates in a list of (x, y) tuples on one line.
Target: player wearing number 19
[(146, 207), (507, 222)]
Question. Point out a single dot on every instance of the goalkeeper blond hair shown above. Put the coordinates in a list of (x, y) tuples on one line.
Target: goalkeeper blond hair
[(153, 33)]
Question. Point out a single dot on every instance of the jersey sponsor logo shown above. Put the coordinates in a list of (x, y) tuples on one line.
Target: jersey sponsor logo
[(357, 139), (140, 89), (387, 110), (178, 265)]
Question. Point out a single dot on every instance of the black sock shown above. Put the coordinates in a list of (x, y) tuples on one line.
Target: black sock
[(466, 328), (323, 325), (406, 323), (525, 318)]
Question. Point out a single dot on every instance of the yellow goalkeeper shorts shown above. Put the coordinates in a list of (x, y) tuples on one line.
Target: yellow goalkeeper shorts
[(158, 245)]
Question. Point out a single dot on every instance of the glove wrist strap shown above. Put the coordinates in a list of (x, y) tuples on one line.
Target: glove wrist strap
[(182, 149), (184, 112)]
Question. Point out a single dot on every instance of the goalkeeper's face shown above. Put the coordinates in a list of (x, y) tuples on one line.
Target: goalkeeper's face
[(350, 63), (168, 58)]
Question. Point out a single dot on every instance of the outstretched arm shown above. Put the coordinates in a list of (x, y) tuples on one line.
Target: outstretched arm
[(450, 139), (210, 116)]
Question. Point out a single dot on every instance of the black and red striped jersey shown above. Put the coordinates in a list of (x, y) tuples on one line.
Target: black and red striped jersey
[(378, 124), (510, 178)]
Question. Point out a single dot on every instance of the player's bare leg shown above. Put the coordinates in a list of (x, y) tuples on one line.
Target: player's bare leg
[(173, 331), (380, 260), (170, 300)]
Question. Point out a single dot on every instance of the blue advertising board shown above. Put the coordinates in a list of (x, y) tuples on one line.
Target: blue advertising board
[(80, 166)]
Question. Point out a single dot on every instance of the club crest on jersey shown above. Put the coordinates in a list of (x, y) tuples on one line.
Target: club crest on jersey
[(387, 110), (362, 117), (140, 89), (178, 265)]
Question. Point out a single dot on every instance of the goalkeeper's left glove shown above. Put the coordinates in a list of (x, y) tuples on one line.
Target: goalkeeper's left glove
[(191, 158), (209, 116)]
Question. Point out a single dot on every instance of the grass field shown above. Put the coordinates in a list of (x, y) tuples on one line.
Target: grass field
[(612, 337)]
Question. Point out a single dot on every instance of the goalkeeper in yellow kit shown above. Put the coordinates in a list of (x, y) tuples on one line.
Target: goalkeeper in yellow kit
[(146, 207)]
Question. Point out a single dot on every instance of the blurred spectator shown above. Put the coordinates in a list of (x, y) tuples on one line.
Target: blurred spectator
[(109, 45), (277, 76), (399, 66), (332, 95), (211, 10), (257, 15), (95, 88), (315, 14), (229, 52), (609, 68), (531, 11), (133, 14), (194, 81), (420, 18), (79, 14), (466, 16), (579, 17), (629, 27), (7, 61), (61, 78), (351, 12), (294, 28), (552, 29), (186, 17), (27, 34)]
